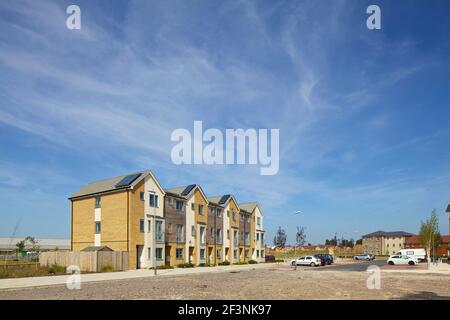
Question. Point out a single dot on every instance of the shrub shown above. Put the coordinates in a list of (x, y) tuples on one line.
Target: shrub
[(56, 268), (205, 265), (241, 262), (185, 265), (252, 262), (164, 267), (224, 263), (107, 268)]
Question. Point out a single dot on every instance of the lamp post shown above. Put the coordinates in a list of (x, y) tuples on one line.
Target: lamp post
[(154, 231)]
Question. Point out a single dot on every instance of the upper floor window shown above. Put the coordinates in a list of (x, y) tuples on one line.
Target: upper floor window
[(193, 231), (153, 200), (234, 216), (98, 227), (98, 201), (219, 213), (259, 221), (200, 209), (193, 206), (141, 225), (228, 234), (228, 213), (170, 201), (169, 228), (141, 196), (159, 230), (179, 205)]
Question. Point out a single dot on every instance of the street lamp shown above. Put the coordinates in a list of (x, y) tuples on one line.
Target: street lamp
[(154, 231)]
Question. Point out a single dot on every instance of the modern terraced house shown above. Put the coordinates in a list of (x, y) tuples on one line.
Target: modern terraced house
[(134, 213)]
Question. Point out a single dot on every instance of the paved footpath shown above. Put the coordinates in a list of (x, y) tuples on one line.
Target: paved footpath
[(14, 283)]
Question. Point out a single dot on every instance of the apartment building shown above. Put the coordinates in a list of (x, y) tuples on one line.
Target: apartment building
[(122, 213), (257, 245), (384, 243), (178, 225)]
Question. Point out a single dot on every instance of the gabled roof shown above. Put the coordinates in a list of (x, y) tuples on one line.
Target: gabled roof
[(388, 234), (186, 191), (223, 200), (250, 206), (114, 184), (98, 248)]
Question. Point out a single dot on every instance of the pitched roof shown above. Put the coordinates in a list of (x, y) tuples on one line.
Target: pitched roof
[(223, 200), (186, 191), (249, 206), (110, 184), (388, 234)]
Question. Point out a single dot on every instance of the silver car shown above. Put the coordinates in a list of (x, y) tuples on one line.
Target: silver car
[(306, 261)]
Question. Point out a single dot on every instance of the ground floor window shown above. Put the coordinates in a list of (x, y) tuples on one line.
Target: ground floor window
[(246, 253), (219, 254), (159, 253), (149, 253), (179, 253), (262, 253), (257, 253), (202, 253), (235, 254)]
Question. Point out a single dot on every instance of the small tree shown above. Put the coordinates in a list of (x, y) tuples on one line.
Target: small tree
[(280, 238), (429, 235), (20, 247), (300, 236)]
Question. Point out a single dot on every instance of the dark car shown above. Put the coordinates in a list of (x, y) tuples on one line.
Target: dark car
[(324, 258), (270, 258)]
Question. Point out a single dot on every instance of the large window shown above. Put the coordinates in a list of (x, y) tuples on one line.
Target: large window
[(141, 225), (202, 236), (159, 253), (193, 231), (235, 254), (179, 253), (200, 209), (179, 232), (202, 253), (159, 231), (142, 196), (179, 205), (258, 221), (153, 200), (98, 227), (234, 216)]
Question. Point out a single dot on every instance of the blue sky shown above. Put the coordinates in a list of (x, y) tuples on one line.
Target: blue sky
[(363, 115)]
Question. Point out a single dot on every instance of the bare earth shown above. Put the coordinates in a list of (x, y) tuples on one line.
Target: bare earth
[(277, 282)]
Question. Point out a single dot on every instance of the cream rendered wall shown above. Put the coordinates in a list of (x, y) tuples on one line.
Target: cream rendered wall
[(258, 229), (146, 259), (190, 221)]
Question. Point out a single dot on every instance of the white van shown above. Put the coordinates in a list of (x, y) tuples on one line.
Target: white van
[(419, 254)]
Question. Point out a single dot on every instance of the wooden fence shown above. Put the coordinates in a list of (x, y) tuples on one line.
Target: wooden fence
[(87, 261)]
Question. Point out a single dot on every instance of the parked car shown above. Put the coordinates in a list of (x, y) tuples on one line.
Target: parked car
[(325, 258), (418, 253), (307, 261), (270, 258), (367, 257), (402, 259)]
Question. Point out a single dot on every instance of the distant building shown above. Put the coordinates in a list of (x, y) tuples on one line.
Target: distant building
[(440, 250), (8, 244), (384, 243)]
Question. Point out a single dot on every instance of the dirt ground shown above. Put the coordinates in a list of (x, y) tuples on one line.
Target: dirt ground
[(277, 282)]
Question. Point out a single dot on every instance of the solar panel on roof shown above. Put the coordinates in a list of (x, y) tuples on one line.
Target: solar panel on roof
[(188, 189), (224, 199), (127, 180)]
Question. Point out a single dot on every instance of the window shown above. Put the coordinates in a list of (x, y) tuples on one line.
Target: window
[(200, 209), (159, 253), (153, 200), (141, 225), (262, 253), (228, 234), (98, 227), (193, 231), (179, 205), (159, 231), (235, 254), (170, 201), (179, 253), (219, 235), (149, 226), (259, 221), (141, 196), (169, 228), (202, 253), (257, 236), (234, 216), (179, 233), (193, 206), (97, 201), (219, 213), (149, 253), (202, 235), (228, 213), (211, 232), (219, 254), (246, 253)]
